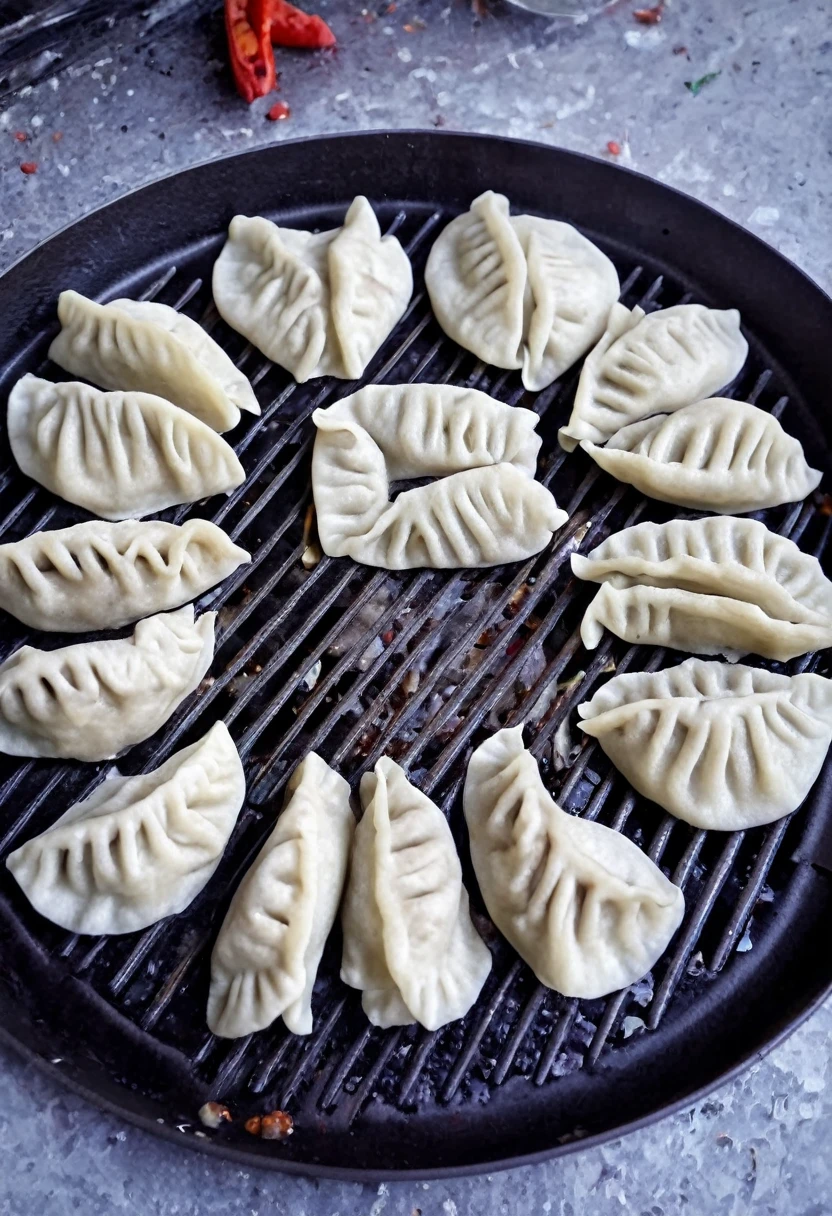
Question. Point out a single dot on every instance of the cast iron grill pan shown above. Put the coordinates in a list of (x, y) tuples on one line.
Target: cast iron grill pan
[(420, 665)]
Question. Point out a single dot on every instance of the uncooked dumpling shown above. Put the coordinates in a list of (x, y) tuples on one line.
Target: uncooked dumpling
[(718, 455), (520, 291), (267, 953), (720, 746), (718, 585), (100, 575), (430, 430), (653, 364), (480, 516), (92, 700), (319, 304), (588, 911), (151, 348), (118, 455), (409, 943), (139, 848)]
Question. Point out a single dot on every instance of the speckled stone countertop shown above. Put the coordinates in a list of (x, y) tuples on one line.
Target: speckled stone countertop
[(146, 94)]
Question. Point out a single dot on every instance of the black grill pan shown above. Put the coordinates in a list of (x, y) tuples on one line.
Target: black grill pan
[(422, 665)]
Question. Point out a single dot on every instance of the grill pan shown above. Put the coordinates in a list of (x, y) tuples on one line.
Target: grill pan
[(421, 665)]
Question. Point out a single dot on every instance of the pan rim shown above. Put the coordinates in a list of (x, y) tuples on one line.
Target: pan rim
[(333, 1173)]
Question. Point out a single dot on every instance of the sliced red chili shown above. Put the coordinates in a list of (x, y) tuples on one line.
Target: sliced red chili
[(248, 26), (290, 26)]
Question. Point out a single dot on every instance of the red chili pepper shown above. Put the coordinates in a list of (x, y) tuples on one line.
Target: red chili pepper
[(278, 112), (650, 16), (290, 26), (614, 148), (29, 166), (248, 26)]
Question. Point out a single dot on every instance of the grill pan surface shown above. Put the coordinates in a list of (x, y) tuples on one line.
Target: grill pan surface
[(355, 662)]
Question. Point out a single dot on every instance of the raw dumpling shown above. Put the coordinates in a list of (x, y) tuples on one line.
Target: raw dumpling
[(139, 848), (481, 516), (118, 455), (720, 746), (719, 455), (652, 365), (267, 953), (429, 430), (588, 911), (102, 575), (520, 291), (718, 585), (92, 700), (409, 943), (139, 346), (319, 304)]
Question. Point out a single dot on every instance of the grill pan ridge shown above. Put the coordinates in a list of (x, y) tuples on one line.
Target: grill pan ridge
[(421, 665)]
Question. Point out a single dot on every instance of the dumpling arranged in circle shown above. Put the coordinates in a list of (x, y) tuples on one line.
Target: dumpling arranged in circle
[(721, 746), (92, 700), (99, 575), (145, 347), (267, 953), (718, 585), (581, 903), (410, 945), (139, 848), (717, 455), (653, 364), (520, 291), (118, 455), (317, 303), (485, 509)]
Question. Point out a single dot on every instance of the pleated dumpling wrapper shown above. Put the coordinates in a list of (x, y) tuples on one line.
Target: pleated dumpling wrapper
[(718, 585), (268, 950), (718, 455), (118, 455), (520, 291), (653, 364), (92, 700), (583, 905), (139, 848), (721, 746), (100, 575), (409, 943), (318, 304), (143, 347), (485, 509)]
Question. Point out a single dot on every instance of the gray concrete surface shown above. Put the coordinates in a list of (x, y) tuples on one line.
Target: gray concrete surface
[(151, 95)]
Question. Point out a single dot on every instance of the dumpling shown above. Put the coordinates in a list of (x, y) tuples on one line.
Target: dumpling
[(409, 943), (267, 953), (139, 848), (718, 585), (480, 516), (319, 304), (429, 430), (520, 291), (718, 455), (720, 746), (102, 575), (588, 911), (653, 364), (140, 346), (118, 455), (93, 700)]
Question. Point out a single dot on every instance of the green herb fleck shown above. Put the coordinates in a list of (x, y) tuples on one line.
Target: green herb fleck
[(696, 86)]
